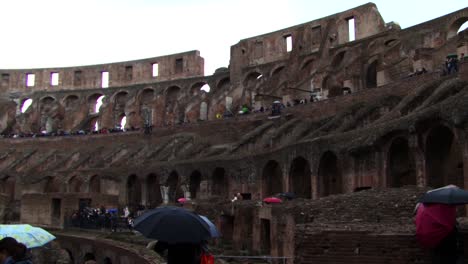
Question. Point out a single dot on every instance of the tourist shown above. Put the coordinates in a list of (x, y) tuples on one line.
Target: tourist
[(13, 252)]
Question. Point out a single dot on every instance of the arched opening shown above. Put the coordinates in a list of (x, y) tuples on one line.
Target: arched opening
[(122, 122), (457, 26), (277, 71), (95, 103), (71, 102), (172, 94), (371, 77), (219, 182), (338, 59), (120, 99), (444, 159), (195, 180), (203, 111), (25, 105), (224, 84), (88, 257), (199, 88), (272, 178), (74, 184), (300, 178), (173, 184), (52, 185), (252, 79), (95, 184), (329, 175), (153, 191), (147, 96), (133, 192), (401, 167)]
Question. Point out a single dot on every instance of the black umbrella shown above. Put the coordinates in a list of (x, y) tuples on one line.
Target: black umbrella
[(449, 194), (288, 195), (173, 225)]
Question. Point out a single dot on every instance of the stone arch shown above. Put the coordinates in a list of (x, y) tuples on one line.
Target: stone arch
[(307, 62), (401, 165), (195, 88), (153, 191), (95, 184), (194, 183), (444, 158), (47, 99), (371, 74), (120, 98), (278, 70), (52, 185), (173, 183), (219, 182), (251, 78), (173, 93), (223, 83), (338, 59), (75, 184), (329, 175), (71, 101), (272, 178), (93, 100), (133, 191), (146, 96), (300, 181), (455, 26)]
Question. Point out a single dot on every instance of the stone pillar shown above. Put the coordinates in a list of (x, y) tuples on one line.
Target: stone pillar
[(419, 160), (165, 194)]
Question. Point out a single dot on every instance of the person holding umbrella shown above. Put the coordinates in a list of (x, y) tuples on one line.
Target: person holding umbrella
[(178, 230), (13, 252), (436, 222)]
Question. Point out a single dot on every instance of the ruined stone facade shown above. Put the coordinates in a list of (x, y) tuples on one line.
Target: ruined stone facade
[(376, 123)]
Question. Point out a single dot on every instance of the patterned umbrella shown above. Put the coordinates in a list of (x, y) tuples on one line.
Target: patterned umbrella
[(29, 235)]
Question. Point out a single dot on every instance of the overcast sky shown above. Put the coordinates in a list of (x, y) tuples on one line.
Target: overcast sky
[(58, 33)]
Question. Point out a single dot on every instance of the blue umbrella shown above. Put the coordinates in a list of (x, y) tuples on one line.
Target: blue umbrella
[(213, 230), (28, 235), (173, 225)]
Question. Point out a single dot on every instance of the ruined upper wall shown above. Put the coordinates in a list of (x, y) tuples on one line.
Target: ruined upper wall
[(175, 66), (306, 38)]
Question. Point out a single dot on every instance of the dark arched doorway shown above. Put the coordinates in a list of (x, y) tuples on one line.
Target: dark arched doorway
[(173, 184), (300, 179), (371, 77), (95, 184), (133, 192), (194, 185), (401, 167), (219, 182), (153, 192), (272, 178), (444, 159), (329, 175)]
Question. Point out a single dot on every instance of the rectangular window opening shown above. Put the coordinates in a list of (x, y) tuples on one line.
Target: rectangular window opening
[(5, 79), (54, 78), (351, 29), (129, 73), (78, 77), (104, 79), (179, 65), (155, 70), (289, 44), (30, 79)]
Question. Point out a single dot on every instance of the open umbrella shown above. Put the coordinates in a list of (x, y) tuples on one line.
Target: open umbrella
[(434, 222), (29, 235), (287, 195), (449, 194), (173, 225), (182, 200), (272, 200), (213, 230)]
